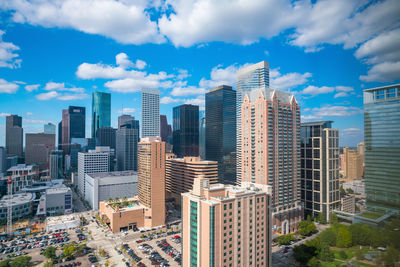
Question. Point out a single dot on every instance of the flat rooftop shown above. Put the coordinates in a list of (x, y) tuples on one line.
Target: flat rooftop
[(54, 220), (21, 167), (57, 189), (112, 174), (382, 87), (16, 199)]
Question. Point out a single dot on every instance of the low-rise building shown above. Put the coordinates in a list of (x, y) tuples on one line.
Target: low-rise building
[(358, 186), (348, 204), (57, 200), (62, 222), (22, 176), (21, 205), (105, 185)]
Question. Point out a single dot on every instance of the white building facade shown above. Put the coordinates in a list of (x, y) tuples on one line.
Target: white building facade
[(150, 112)]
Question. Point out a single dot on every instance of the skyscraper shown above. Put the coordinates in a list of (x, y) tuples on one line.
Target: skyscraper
[(127, 148), (202, 134), (220, 128), (123, 119), (320, 192), (73, 125), (59, 136), (150, 112), (165, 129), (382, 148), (225, 225), (151, 179), (186, 130), (3, 161), (247, 79), (271, 152), (353, 164), (38, 148), (49, 128), (106, 136), (14, 136), (101, 111), (56, 164)]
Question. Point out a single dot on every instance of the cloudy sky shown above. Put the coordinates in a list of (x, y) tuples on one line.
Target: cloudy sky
[(55, 53)]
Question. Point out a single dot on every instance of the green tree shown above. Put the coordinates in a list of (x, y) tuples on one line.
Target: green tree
[(359, 254), (321, 218), (303, 253), (109, 200), (343, 255), (314, 262), (325, 253), (48, 264), (342, 191), (334, 218), (284, 239), (343, 239), (360, 234), (21, 261), (391, 257), (328, 236), (5, 263), (69, 250), (50, 252)]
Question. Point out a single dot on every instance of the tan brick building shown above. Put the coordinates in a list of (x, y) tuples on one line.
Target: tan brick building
[(353, 164)]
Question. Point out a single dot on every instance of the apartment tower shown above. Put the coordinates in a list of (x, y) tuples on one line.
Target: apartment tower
[(150, 112)]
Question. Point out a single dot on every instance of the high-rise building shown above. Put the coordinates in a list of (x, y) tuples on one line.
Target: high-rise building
[(3, 161), (225, 225), (106, 136), (271, 152), (150, 112), (382, 148), (151, 179), (59, 136), (123, 119), (14, 136), (202, 134), (101, 111), (38, 147), (221, 131), (353, 164), (93, 161), (73, 125), (247, 79), (320, 192), (49, 128), (181, 172), (165, 129), (56, 164), (186, 130), (126, 148)]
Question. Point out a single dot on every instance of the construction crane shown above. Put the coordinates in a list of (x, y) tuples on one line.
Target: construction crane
[(9, 206)]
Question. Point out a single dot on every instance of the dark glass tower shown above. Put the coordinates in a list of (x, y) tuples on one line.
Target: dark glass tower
[(382, 148), (165, 129), (221, 131), (186, 130), (105, 136), (14, 136), (77, 122), (127, 147), (101, 111)]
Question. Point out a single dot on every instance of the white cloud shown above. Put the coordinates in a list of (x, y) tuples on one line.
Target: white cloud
[(351, 130), (32, 87), (140, 64), (310, 117), (314, 90), (47, 96), (8, 57), (336, 111), (29, 114), (287, 81), (383, 72), (8, 87), (340, 94), (186, 91), (198, 101), (126, 111), (220, 76), (3, 114), (67, 97), (130, 85), (124, 21), (51, 86), (169, 100), (34, 121)]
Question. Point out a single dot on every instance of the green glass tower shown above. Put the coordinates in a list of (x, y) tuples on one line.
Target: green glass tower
[(101, 111), (382, 148)]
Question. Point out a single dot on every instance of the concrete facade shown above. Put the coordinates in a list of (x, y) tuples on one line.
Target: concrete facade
[(348, 204), (22, 176), (150, 112), (21, 205), (353, 164), (38, 148)]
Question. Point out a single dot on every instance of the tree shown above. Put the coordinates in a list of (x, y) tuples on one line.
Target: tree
[(284, 239), (321, 218), (303, 253), (391, 257), (5, 263), (314, 262), (21, 261), (325, 253), (334, 218), (343, 239), (48, 264), (306, 228), (69, 250), (343, 255), (342, 191), (50, 252), (360, 234), (109, 200), (328, 236), (359, 254)]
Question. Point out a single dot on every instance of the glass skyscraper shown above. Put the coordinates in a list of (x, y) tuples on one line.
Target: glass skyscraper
[(221, 131), (186, 131), (101, 111), (202, 134), (382, 148), (150, 112), (247, 79)]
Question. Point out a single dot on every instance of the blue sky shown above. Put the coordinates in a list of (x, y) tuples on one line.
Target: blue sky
[(56, 53)]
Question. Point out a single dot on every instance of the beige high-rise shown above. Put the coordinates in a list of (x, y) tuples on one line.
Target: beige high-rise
[(181, 172), (353, 164), (151, 179), (225, 225)]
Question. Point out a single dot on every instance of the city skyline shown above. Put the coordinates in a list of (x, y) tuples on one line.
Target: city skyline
[(325, 71)]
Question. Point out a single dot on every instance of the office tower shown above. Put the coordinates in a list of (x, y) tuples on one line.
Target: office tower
[(3, 161), (38, 147), (151, 179), (247, 79), (59, 137), (382, 148), (101, 111), (49, 128), (186, 130), (14, 136), (93, 161), (319, 169), (129, 120), (150, 112), (73, 126), (202, 134), (361, 149), (220, 128), (271, 152), (225, 225), (127, 148), (56, 164), (181, 172), (165, 129), (106, 136), (353, 164)]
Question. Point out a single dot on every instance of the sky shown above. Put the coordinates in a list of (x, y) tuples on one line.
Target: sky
[(55, 53)]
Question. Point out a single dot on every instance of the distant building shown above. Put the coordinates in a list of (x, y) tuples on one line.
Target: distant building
[(225, 225), (202, 134), (93, 161), (56, 201), (186, 131), (165, 129), (353, 164), (348, 204), (49, 128), (320, 191), (14, 136), (59, 136), (150, 112), (3, 161), (56, 164), (73, 125), (102, 186), (357, 186), (106, 136), (220, 139), (11, 162), (38, 148), (101, 111), (181, 172), (22, 176), (21, 205), (127, 147)]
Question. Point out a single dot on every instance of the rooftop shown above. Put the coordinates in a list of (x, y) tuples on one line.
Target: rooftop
[(16, 199), (21, 167), (57, 189), (112, 174), (312, 123), (382, 87)]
